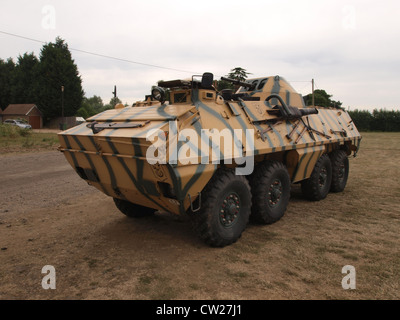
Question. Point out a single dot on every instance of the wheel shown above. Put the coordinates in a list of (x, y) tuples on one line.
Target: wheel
[(340, 170), (225, 209), (270, 188), (132, 210), (318, 185)]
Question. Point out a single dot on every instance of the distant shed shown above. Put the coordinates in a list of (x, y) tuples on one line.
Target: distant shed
[(29, 112)]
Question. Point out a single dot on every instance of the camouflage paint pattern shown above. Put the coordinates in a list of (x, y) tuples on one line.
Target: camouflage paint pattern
[(114, 159)]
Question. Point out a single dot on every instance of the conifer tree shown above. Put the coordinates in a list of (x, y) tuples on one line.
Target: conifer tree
[(59, 85)]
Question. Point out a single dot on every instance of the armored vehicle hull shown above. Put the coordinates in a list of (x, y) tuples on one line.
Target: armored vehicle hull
[(222, 157)]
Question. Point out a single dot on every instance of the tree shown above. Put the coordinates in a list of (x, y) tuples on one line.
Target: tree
[(385, 120), (95, 103), (222, 85), (362, 119), (57, 69), (23, 81), (90, 107), (113, 102), (82, 112), (378, 120), (237, 73), (322, 99), (6, 81)]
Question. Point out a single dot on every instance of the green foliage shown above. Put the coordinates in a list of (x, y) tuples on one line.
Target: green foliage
[(222, 84), (362, 119), (15, 139), (57, 70), (7, 69), (322, 99), (237, 73), (94, 104), (378, 120), (82, 112), (40, 81), (24, 79), (114, 102), (9, 131), (24, 132)]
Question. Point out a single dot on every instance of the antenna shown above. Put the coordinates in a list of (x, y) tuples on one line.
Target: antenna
[(313, 98)]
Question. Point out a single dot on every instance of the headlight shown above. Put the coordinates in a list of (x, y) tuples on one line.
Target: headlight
[(158, 94)]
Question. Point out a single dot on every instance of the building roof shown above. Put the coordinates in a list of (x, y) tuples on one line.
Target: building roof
[(20, 109)]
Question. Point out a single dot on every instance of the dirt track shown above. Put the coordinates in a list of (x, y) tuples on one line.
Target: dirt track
[(49, 216)]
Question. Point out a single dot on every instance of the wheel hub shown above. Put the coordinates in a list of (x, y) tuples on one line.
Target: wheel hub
[(229, 210), (323, 177), (275, 193)]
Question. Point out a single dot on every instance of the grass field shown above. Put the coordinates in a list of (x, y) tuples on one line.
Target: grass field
[(302, 255), (102, 255), (15, 140), (359, 227)]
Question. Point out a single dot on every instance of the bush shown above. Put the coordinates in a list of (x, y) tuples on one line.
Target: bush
[(24, 132), (9, 131)]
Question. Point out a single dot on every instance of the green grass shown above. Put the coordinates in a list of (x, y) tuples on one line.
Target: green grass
[(15, 140), (9, 131)]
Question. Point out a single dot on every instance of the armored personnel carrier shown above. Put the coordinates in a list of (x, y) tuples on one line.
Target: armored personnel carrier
[(221, 157)]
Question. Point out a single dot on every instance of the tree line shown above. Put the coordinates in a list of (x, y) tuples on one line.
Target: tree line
[(377, 120), (51, 81)]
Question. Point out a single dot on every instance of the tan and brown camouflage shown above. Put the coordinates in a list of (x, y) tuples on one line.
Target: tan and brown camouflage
[(109, 150)]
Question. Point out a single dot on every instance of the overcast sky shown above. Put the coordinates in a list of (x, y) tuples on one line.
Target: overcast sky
[(350, 48)]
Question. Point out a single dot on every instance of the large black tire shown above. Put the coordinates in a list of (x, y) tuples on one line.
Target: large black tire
[(225, 209), (340, 170), (133, 210), (270, 187), (318, 185)]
